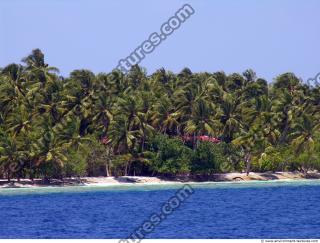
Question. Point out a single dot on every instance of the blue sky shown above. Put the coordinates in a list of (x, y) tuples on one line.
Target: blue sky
[(269, 36)]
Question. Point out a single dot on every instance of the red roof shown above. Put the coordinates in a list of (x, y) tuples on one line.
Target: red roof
[(201, 138)]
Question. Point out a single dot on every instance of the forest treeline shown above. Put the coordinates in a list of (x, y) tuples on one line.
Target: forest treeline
[(133, 124)]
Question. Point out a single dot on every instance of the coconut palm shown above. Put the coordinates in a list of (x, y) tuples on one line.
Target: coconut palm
[(49, 122)]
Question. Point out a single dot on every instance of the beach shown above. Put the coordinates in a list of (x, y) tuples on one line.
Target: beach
[(125, 180)]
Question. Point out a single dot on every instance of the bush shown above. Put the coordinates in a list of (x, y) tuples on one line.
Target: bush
[(99, 160), (49, 169), (272, 159), (232, 157), (170, 156), (76, 164), (307, 161), (209, 158)]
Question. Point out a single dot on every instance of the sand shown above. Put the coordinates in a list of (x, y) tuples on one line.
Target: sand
[(125, 180)]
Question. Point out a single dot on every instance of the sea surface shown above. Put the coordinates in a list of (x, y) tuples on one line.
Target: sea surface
[(276, 209)]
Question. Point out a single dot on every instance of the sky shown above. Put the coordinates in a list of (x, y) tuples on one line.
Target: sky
[(269, 36)]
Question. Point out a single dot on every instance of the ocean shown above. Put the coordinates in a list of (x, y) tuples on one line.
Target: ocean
[(273, 209)]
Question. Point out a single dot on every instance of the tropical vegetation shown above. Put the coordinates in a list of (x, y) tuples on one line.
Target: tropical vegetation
[(114, 124)]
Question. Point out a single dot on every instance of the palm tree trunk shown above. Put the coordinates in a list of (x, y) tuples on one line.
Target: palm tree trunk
[(248, 162), (284, 133), (194, 141), (107, 169), (126, 170), (8, 176)]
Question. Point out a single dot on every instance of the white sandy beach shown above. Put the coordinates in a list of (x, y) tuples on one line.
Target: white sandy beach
[(126, 180)]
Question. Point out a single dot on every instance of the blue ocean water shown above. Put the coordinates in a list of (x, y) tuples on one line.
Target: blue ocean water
[(215, 210)]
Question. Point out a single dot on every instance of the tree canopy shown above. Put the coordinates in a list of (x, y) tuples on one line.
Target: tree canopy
[(132, 124)]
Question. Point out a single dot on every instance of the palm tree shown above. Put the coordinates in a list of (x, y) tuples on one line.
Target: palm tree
[(305, 131), (164, 116), (37, 69), (102, 113), (230, 116), (201, 120), (47, 120), (250, 142), (11, 154)]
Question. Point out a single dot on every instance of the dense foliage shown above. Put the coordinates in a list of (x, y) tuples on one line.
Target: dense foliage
[(132, 124)]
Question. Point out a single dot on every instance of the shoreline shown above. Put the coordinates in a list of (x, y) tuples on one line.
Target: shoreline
[(143, 180)]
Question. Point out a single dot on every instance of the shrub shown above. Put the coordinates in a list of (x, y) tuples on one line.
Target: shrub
[(272, 159), (209, 158), (76, 164), (99, 160), (170, 157)]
